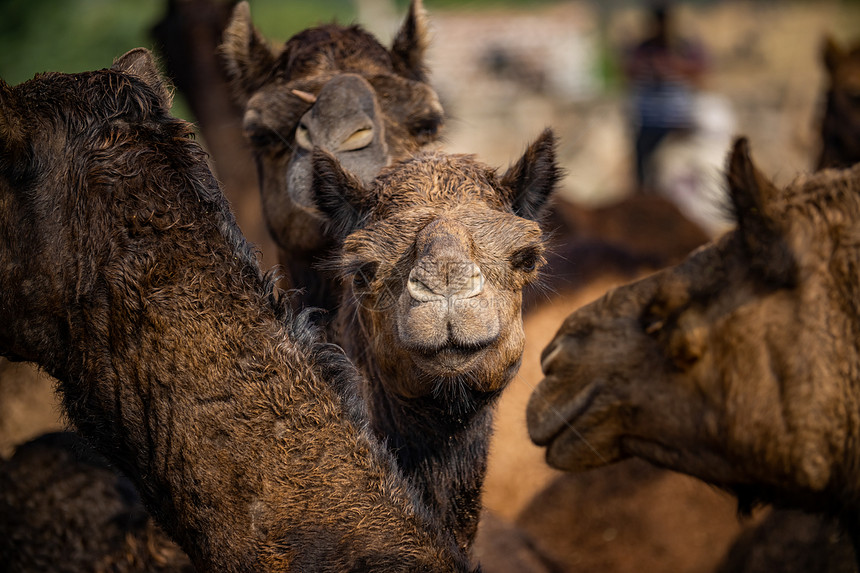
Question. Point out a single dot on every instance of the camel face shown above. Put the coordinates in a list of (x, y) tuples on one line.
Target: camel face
[(736, 366), (446, 305), (840, 128), (437, 261), (330, 87)]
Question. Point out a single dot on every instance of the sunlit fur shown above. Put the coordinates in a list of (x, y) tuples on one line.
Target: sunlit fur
[(126, 278), (434, 369), (388, 90)]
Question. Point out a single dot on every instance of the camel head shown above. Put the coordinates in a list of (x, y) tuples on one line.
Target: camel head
[(56, 129), (738, 366), (437, 251), (332, 87)]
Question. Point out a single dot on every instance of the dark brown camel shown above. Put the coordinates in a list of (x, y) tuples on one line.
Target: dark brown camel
[(63, 508), (792, 540), (331, 87), (436, 254), (126, 278), (738, 366), (840, 126), (624, 518)]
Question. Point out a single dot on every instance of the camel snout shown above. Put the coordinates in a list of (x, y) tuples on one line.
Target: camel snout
[(445, 280)]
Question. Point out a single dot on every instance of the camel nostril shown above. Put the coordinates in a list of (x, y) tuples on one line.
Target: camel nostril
[(359, 139), (474, 284), (440, 281), (303, 137), (549, 355), (420, 291)]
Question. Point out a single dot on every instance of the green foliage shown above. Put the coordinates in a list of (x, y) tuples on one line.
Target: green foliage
[(77, 35), (70, 36)]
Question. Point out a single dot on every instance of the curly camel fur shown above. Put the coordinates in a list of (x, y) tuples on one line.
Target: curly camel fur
[(175, 356), (435, 256)]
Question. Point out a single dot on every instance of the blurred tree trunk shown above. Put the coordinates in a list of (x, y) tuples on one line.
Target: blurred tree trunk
[(188, 36)]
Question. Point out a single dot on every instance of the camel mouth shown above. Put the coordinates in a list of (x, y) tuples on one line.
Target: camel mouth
[(450, 359), (453, 347), (549, 420)]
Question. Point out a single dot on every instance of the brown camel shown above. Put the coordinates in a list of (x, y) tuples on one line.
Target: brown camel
[(738, 366), (338, 89), (436, 254), (63, 508), (622, 518), (840, 126), (126, 278)]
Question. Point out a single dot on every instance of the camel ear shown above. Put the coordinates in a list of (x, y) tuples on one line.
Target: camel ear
[(831, 54), (248, 58), (532, 180), (752, 199), (139, 62), (339, 195), (410, 44)]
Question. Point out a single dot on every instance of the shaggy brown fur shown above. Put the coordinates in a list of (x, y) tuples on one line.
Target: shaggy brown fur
[(126, 278), (64, 509), (739, 366), (372, 106), (437, 254), (840, 127)]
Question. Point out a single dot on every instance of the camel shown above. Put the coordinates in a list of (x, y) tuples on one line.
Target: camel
[(64, 508), (336, 88), (435, 255), (627, 517), (840, 126), (126, 278), (738, 366)]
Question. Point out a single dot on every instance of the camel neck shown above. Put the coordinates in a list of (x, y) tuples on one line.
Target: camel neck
[(441, 446), (217, 410)]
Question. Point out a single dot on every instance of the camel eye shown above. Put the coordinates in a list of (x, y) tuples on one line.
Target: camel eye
[(360, 139), (364, 276), (526, 260), (654, 326), (658, 317), (303, 137)]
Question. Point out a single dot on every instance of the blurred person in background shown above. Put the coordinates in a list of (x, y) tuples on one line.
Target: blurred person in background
[(664, 72)]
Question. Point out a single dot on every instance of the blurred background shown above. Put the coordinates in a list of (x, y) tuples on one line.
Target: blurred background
[(506, 68)]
